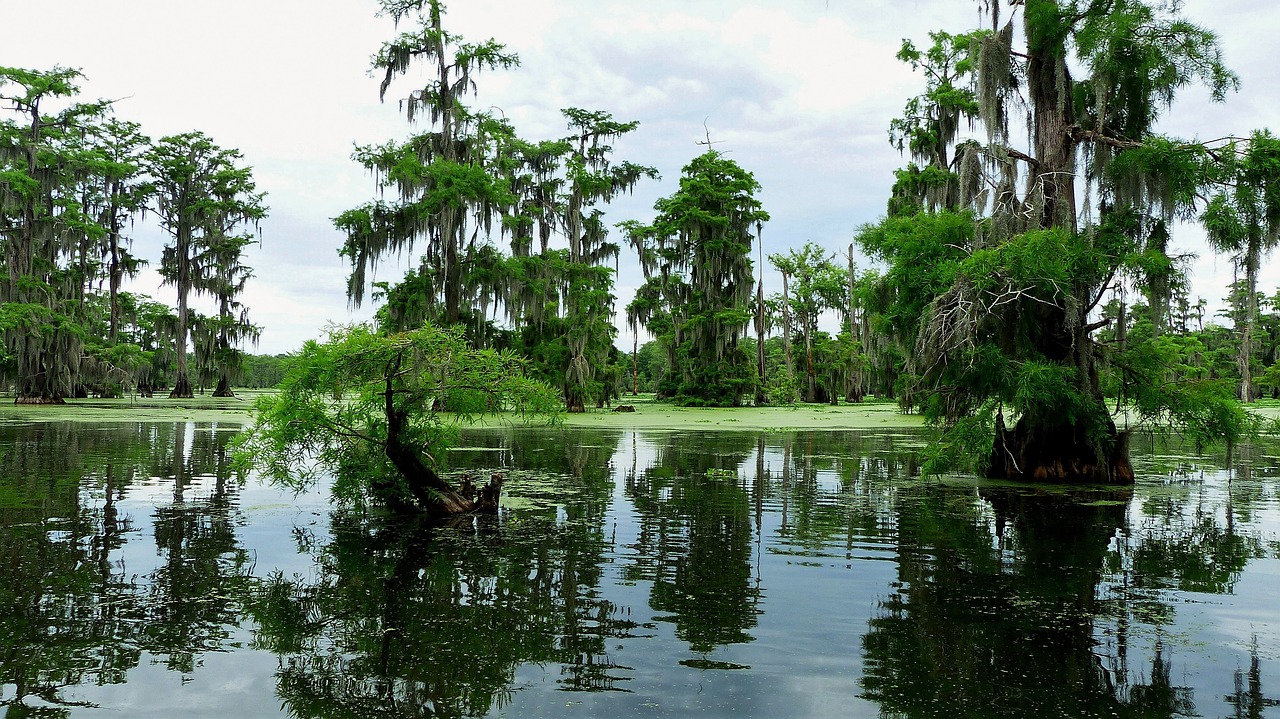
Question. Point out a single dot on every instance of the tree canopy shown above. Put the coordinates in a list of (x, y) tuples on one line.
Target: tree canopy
[(364, 407), (993, 285), (696, 257)]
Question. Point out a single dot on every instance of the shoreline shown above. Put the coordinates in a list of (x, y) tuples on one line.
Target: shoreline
[(649, 414)]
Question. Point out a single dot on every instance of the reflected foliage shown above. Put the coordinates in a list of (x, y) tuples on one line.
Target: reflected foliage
[(993, 611), (631, 565), (403, 619), (696, 540), (74, 606)]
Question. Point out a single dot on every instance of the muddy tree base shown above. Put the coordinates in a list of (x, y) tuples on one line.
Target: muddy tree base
[(223, 389), (39, 400), (181, 389), (1059, 453)]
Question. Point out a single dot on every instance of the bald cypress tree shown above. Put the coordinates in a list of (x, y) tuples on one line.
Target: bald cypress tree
[(592, 179), (48, 232), (1243, 219), (994, 288), (204, 195), (446, 184), (697, 297)]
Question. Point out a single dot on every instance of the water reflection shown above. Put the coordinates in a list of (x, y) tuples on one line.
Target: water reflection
[(403, 619), (798, 574), (994, 616), (73, 611), (695, 539)]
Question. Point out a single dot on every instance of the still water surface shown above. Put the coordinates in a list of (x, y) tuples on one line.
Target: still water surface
[(802, 574)]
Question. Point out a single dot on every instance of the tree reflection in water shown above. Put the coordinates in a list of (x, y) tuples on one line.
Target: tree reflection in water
[(406, 619), (71, 611), (1000, 615), (633, 565), (695, 538)]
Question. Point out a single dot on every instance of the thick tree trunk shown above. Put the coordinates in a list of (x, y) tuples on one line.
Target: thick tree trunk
[(224, 388), (423, 490), (182, 387), (1049, 87), (427, 491), (1059, 453)]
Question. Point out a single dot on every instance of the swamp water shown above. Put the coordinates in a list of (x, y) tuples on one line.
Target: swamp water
[(803, 574)]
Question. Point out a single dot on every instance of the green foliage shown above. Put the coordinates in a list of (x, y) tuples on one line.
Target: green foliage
[(339, 397), (1203, 410), (930, 122), (696, 299), (448, 183), (997, 316), (204, 197), (47, 225), (962, 446)]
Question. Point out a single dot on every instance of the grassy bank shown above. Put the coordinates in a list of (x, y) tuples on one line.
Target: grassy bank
[(648, 415)]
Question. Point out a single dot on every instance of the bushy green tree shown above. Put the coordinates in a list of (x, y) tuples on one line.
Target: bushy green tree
[(995, 295), (48, 233), (364, 407), (1244, 220), (696, 256)]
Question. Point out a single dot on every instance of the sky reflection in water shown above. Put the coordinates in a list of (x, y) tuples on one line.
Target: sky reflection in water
[(801, 574)]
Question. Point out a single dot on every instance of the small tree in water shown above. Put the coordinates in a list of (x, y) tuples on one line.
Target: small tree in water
[(362, 406)]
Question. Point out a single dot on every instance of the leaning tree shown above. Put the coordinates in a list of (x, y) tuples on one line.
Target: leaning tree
[(995, 288), (203, 195), (363, 406)]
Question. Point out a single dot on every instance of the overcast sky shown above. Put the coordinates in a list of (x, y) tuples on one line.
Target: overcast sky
[(799, 92)]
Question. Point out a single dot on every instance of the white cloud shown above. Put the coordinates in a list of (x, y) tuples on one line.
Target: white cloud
[(799, 92)]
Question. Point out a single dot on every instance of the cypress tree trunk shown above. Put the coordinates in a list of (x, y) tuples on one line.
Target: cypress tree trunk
[(224, 388), (1051, 449), (786, 325), (761, 399), (424, 489), (182, 252), (1252, 253)]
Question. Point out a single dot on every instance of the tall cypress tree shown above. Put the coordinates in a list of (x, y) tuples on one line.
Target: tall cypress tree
[(697, 299)]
